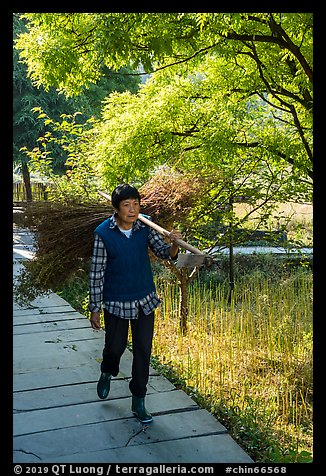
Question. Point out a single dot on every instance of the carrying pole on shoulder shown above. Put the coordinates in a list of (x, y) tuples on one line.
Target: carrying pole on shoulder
[(184, 260)]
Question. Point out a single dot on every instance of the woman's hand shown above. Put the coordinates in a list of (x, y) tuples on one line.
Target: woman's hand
[(95, 320), (174, 235)]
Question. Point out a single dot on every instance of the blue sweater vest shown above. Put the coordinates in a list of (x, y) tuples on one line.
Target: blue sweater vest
[(128, 274)]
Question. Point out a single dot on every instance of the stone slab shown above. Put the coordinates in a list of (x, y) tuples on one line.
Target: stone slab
[(119, 433), (55, 345), (51, 354), (33, 317), (56, 335), (60, 360), (79, 393), (96, 412), (21, 237), (204, 449), (18, 247), (36, 328), (33, 380), (50, 378), (36, 310), (49, 300), (21, 253)]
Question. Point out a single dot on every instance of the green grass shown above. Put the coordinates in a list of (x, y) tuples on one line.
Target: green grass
[(249, 363)]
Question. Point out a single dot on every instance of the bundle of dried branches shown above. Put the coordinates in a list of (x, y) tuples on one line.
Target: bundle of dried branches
[(65, 228), (64, 232), (64, 240), (169, 196)]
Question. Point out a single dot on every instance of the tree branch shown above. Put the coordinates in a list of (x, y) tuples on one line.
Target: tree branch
[(280, 154), (288, 44)]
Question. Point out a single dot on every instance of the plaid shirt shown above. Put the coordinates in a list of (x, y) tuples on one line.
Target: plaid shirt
[(125, 309)]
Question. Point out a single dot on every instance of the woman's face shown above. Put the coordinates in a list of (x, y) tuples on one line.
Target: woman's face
[(128, 212)]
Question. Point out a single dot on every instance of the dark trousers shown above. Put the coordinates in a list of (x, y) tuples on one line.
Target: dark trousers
[(116, 338)]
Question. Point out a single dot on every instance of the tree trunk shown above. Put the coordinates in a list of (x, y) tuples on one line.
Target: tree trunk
[(27, 182)]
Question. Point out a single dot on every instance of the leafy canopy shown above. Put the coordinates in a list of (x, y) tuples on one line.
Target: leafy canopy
[(189, 122), (229, 92), (66, 50)]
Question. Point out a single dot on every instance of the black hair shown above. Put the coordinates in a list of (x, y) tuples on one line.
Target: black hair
[(123, 192)]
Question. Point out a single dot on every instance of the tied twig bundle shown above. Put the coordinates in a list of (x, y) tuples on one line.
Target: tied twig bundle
[(64, 241)]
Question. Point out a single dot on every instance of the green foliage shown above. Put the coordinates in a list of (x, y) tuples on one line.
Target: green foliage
[(54, 42), (26, 97), (188, 124), (267, 264), (253, 56), (75, 291), (231, 96), (72, 137), (113, 39), (28, 285), (26, 128)]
